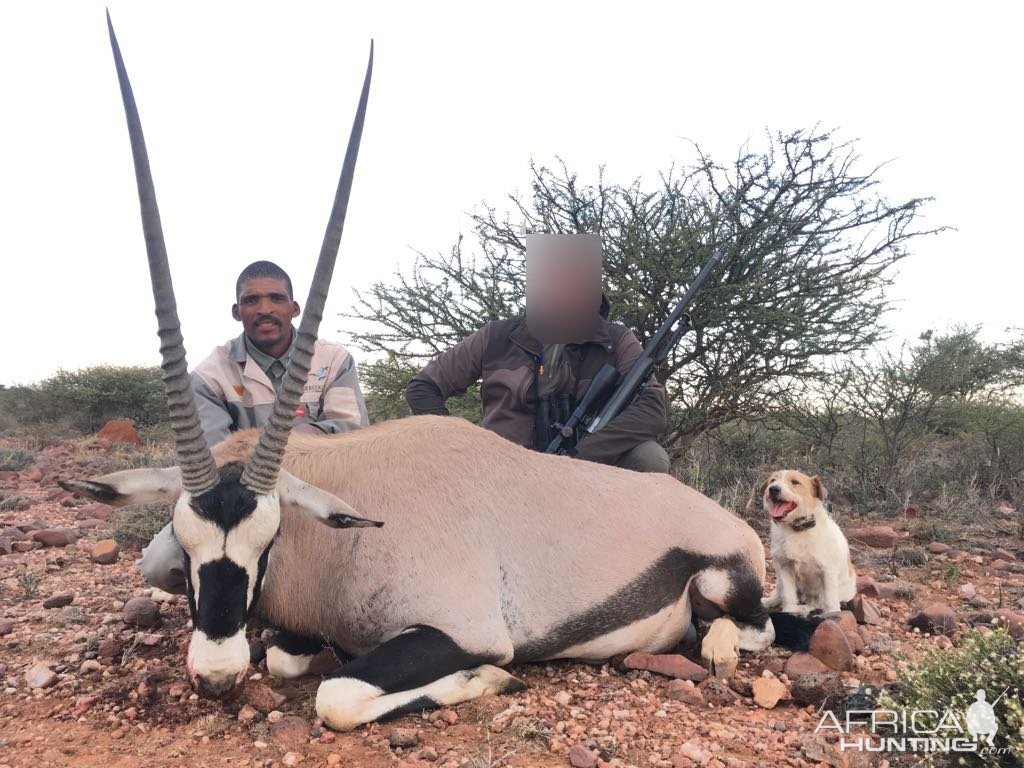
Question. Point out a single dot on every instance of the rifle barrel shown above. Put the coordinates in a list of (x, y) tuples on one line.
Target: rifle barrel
[(685, 302), (647, 362)]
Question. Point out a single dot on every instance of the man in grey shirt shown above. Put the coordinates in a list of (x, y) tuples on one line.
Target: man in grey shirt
[(234, 388)]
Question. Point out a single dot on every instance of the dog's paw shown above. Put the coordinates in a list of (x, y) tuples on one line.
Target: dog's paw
[(720, 648)]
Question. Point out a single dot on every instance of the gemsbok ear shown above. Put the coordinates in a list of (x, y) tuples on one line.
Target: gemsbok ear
[(130, 486), (318, 504)]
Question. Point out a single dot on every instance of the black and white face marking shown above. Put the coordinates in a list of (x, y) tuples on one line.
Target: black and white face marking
[(226, 534)]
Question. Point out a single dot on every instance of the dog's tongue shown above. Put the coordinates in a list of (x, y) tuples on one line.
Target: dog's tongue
[(781, 509)]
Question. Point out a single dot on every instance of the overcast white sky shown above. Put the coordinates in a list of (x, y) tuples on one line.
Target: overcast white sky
[(247, 108)]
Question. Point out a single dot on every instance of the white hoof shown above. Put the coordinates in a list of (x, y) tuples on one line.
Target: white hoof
[(720, 648), (285, 665), (344, 703)]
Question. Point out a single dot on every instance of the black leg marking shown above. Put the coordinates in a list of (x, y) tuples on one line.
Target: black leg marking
[(659, 586), (743, 603), (420, 669), (793, 631), (416, 705), (296, 645), (425, 702), (415, 658), (341, 654), (261, 571), (189, 587)]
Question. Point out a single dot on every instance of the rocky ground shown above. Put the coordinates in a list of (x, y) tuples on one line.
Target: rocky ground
[(91, 661)]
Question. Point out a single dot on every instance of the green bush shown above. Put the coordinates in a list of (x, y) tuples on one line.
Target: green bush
[(384, 382), (29, 583), (15, 503), (15, 459), (931, 530), (949, 475), (156, 455), (949, 679), (44, 434), (106, 392), (87, 398), (161, 433), (18, 406), (133, 527)]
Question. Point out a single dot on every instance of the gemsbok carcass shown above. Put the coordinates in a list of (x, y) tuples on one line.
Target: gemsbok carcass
[(476, 552)]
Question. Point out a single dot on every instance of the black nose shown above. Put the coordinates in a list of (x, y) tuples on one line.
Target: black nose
[(774, 491), (214, 689)]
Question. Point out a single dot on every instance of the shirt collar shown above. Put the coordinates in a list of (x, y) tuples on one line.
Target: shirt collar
[(521, 335), (265, 361)]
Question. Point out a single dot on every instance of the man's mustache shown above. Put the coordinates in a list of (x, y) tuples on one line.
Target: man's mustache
[(268, 319)]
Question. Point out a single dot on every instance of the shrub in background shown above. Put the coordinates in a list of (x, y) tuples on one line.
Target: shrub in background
[(133, 527), (948, 679)]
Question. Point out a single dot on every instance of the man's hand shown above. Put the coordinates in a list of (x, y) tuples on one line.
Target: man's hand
[(306, 429)]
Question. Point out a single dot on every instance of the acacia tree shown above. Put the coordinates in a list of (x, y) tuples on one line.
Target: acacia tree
[(965, 368), (872, 412), (808, 242)]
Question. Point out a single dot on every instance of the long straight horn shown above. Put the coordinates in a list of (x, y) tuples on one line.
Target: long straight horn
[(198, 471), (260, 473)]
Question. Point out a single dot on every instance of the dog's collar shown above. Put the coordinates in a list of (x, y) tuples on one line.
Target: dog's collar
[(803, 523)]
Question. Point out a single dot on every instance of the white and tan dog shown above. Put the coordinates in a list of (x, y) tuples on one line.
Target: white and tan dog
[(813, 570)]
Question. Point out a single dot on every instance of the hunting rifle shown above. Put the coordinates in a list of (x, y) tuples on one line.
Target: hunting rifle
[(608, 393)]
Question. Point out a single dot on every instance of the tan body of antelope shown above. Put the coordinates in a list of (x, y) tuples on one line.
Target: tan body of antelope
[(468, 552), (472, 569)]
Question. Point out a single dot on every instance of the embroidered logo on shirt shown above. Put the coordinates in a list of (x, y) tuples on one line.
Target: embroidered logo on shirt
[(239, 390), (320, 376)]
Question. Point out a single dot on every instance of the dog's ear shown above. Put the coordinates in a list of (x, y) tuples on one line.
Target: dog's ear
[(819, 488), (762, 488)]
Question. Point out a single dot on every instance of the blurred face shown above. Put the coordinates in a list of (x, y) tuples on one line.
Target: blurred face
[(563, 287), (266, 312)]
